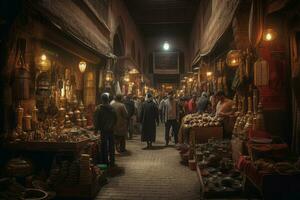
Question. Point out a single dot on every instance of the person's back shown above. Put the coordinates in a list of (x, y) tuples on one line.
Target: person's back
[(105, 118), (104, 121), (129, 104), (121, 124)]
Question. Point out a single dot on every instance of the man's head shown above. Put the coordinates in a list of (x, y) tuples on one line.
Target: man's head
[(149, 96), (220, 95), (105, 98), (194, 97), (119, 97)]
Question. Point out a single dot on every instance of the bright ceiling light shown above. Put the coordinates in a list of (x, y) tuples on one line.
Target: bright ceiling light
[(166, 46)]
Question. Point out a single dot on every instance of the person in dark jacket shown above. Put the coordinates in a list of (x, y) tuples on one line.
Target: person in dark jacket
[(105, 119), (149, 119)]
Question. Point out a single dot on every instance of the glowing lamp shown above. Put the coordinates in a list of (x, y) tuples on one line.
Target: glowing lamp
[(82, 66), (233, 58), (126, 77), (190, 80), (43, 57), (166, 46), (44, 63), (109, 76), (269, 35)]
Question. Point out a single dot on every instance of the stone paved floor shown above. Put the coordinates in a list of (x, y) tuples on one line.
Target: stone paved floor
[(152, 174)]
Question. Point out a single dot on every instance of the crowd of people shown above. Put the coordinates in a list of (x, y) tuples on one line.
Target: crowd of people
[(118, 119)]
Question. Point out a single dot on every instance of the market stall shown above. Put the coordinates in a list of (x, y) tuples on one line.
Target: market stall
[(55, 80)]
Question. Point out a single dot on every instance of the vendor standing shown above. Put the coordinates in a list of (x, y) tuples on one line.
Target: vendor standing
[(224, 106)]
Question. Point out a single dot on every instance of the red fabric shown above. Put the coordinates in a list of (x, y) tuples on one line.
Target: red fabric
[(192, 107), (258, 134), (245, 165)]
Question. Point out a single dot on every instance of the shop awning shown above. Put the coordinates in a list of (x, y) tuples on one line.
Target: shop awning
[(221, 18), (68, 17)]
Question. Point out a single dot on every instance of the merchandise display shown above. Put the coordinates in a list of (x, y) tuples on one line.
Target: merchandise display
[(216, 167), (201, 120)]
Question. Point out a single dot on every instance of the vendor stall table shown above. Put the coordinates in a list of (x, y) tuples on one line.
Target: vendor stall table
[(202, 134)]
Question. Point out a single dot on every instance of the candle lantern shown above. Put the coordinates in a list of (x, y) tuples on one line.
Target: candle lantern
[(233, 58)]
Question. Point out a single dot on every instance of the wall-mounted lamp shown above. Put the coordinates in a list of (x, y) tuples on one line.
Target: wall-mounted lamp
[(190, 80), (82, 66), (233, 58), (269, 35)]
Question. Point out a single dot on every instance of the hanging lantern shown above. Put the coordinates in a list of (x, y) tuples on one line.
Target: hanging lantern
[(261, 72), (82, 66), (209, 75), (269, 35), (43, 63), (109, 76), (233, 58)]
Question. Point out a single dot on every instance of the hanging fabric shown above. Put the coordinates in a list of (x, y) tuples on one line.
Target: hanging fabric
[(256, 22), (261, 72)]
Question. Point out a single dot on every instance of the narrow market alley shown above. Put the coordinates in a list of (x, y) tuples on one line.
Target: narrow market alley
[(152, 174)]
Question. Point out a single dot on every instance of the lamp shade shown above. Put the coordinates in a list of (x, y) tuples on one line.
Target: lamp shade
[(82, 66)]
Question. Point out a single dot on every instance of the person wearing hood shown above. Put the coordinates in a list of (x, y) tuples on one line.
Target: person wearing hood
[(149, 120), (203, 102), (105, 119)]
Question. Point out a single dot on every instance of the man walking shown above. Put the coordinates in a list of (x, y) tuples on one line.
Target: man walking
[(149, 119), (104, 121), (120, 129), (170, 116)]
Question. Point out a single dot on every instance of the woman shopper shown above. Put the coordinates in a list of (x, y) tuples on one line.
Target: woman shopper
[(149, 120)]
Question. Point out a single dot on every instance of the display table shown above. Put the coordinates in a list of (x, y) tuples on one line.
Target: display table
[(46, 146), (206, 193)]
